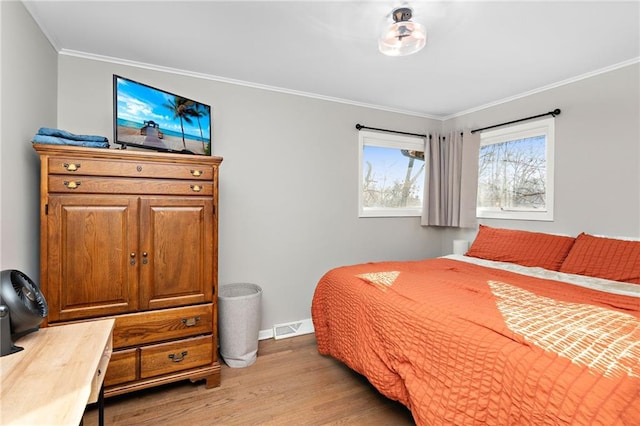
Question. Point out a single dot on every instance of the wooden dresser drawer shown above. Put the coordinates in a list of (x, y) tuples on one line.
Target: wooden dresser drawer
[(123, 168), (165, 324), (165, 358), (82, 184), (123, 367)]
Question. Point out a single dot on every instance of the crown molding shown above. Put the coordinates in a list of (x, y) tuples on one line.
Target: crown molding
[(186, 73), (210, 77), (547, 87)]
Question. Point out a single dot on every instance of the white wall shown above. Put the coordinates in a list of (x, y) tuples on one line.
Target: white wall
[(597, 154), (288, 181), (28, 86)]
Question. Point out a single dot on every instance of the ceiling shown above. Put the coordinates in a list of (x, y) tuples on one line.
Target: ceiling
[(478, 53)]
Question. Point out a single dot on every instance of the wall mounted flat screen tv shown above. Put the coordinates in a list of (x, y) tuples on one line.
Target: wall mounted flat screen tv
[(150, 118)]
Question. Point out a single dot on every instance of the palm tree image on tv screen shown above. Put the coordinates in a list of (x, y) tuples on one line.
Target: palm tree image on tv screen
[(151, 118)]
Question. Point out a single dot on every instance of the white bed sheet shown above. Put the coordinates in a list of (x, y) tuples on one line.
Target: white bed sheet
[(599, 284)]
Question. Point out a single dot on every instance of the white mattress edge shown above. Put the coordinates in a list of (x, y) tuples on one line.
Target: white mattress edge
[(600, 284)]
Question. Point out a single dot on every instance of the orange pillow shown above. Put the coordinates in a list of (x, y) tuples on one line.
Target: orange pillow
[(521, 247), (609, 258)]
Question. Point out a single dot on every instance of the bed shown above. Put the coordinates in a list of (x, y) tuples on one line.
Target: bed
[(526, 328)]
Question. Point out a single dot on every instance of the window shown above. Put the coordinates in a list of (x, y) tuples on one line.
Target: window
[(515, 172), (391, 175)]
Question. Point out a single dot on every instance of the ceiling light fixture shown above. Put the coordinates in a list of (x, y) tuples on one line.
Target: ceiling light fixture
[(403, 37)]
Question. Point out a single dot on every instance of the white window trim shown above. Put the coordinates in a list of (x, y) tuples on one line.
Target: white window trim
[(385, 141), (519, 131)]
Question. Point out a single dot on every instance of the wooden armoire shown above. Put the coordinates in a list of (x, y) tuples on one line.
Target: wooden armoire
[(133, 235)]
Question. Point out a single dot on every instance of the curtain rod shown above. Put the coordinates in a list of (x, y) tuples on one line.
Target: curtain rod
[(360, 127), (551, 113)]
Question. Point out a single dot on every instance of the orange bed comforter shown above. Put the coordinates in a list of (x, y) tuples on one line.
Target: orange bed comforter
[(460, 343)]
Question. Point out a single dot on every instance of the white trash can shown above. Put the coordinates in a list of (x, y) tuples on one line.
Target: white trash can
[(239, 315)]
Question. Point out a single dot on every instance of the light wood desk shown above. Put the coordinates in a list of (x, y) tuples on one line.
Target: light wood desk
[(59, 372)]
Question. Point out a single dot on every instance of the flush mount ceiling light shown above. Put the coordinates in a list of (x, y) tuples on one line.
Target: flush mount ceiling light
[(403, 37)]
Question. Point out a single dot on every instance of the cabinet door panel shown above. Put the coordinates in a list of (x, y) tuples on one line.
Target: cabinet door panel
[(89, 244), (177, 236)]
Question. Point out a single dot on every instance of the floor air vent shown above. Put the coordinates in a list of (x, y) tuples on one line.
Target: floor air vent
[(290, 329), (280, 331)]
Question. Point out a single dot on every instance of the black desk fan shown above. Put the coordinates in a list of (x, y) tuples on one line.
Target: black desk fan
[(22, 309)]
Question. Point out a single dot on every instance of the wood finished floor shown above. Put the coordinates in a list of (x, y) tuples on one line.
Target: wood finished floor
[(289, 384)]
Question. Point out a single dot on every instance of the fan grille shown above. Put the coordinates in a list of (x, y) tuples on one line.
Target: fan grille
[(29, 294)]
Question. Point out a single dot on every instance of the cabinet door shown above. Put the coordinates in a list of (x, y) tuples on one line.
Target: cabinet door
[(176, 237), (91, 263)]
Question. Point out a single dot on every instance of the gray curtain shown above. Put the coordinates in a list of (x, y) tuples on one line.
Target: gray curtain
[(451, 180)]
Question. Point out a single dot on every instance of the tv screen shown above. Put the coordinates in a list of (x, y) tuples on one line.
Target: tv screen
[(150, 118)]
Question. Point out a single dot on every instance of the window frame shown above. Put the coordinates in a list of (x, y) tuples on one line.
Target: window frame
[(514, 132), (368, 138)]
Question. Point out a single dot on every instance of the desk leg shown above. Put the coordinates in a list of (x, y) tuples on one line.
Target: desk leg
[(101, 406)]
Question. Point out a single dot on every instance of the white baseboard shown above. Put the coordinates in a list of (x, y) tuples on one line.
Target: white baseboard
[(290, 329), (265, 334)]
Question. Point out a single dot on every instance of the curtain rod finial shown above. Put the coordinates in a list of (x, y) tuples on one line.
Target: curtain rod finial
[(358, 126), (555, 112)]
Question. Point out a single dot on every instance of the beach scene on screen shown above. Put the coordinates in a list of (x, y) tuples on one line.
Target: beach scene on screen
[(156, 119)]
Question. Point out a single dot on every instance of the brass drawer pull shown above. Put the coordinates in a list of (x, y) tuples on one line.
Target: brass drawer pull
[(178, 357), (72, 184), (71, 167), (190, 322), (196, 173), (196, 188)]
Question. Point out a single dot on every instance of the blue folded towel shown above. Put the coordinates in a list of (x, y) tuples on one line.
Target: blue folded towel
[(54, 140), (47, 131)]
